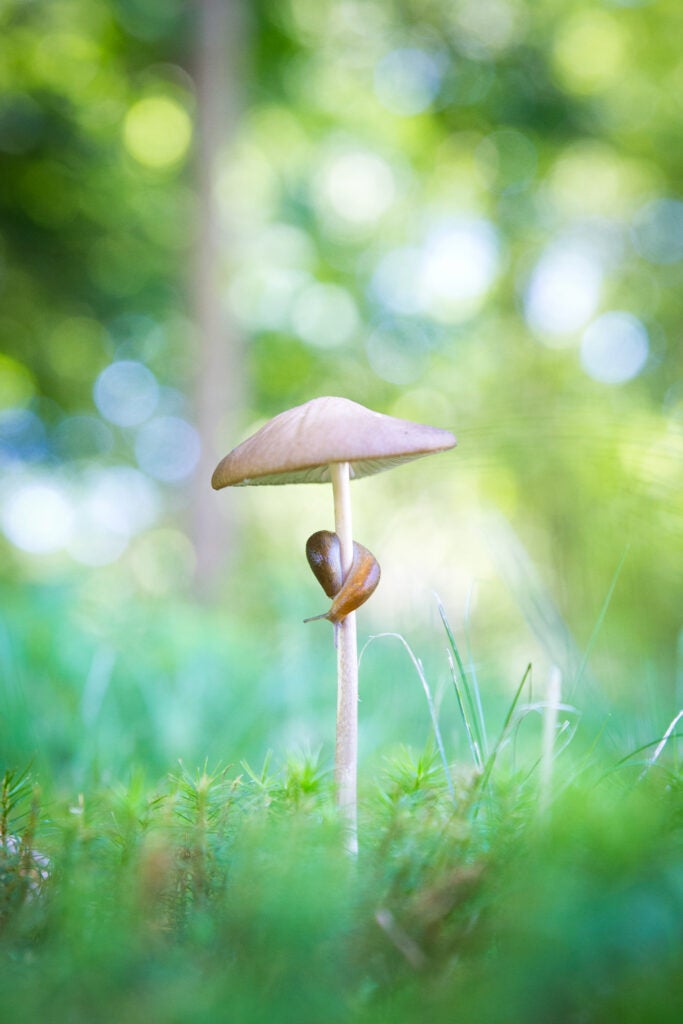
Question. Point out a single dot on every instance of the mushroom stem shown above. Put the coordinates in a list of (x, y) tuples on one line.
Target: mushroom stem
[(346, 754)]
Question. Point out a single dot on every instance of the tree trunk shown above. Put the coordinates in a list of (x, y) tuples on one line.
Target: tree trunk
[(220, 382)]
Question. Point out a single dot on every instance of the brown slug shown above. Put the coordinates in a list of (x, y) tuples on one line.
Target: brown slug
[(323, 552)]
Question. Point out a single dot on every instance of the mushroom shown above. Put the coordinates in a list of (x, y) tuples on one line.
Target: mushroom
[(333, 439)]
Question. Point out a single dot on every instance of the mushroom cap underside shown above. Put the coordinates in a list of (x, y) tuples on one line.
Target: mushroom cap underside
[(298, 445)]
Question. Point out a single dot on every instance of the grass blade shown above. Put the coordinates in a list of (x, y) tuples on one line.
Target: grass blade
[(430, 702), (488, 768), (548, 737), (467, 697), (601, 616), (662, 743), (476, 754), (473, 674)]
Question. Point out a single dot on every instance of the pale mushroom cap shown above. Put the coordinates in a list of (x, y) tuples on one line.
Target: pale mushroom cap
[(298, 445)]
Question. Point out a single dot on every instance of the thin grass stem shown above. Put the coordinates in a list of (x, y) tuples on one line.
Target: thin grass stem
[(601, 616), (491, 760), (469, 696), (623, 761), (430, 702), (548, 737), (473, 674), (662, 743), (474, 748)]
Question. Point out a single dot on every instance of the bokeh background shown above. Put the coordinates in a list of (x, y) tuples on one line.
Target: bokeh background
[(468, 213)]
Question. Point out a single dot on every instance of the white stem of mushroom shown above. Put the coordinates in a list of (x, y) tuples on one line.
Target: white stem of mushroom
[(346, 755)]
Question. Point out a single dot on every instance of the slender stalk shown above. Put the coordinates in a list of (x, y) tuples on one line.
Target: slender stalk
[(662, 743), (346, 754), (552, 706), (419, 668)]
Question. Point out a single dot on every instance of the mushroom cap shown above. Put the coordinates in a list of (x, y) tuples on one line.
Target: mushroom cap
[(298, 446)]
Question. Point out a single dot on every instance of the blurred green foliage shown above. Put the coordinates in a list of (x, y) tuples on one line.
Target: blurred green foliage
[(464, 213), (225, 895)]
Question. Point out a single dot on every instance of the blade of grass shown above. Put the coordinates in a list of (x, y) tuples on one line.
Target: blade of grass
[(570, 729), (662, 743), (473, 674), (548, 738), (601, 616), (588, 760), (488, 767), (476, 754), (465, 695), (539, 707), (430, 703), (639, 750)]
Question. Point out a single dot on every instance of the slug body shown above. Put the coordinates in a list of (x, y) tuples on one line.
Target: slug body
[(324, 557), (323, 552)]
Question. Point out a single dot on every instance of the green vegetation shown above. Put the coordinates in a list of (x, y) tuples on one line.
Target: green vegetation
[(226, 894), (463, 212)]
